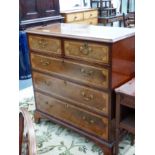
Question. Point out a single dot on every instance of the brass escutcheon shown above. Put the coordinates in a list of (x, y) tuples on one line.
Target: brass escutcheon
[(44, 62), (92, 121), (84, 117), (87, 97), (85, 49), (87, 72), (42, 43), (66, 105)]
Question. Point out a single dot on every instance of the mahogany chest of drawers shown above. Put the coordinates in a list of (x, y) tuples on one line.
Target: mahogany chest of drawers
[(75, 69), (81, 16)]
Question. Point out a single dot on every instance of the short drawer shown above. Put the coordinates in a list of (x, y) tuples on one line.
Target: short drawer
[(44, 44), (74, 17), (92, 21), (80, 95), (73, 115), (90, 14), (89, 75), (88, 51)]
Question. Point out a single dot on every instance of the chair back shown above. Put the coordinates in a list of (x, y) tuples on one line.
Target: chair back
[(129, 19)]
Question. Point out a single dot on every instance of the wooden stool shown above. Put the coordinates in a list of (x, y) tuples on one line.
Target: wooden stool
[(25, 123), (125, 109)]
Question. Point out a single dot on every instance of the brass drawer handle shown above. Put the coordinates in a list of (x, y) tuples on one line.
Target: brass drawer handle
[(91, 15), (47, 103), (92, 121), (75, 17), (104, 74), (66, 105), (65, 83), (42, 43), (87, 97), (44, 62), (84, 117), (86, 72), (85, 49), (48, 83)]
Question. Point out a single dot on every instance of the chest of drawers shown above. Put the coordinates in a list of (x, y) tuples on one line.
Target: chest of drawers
[(75, 69), (81, 16)]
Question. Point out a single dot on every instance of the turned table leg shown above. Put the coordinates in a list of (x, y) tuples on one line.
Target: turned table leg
[(132, 139), (117, 141)]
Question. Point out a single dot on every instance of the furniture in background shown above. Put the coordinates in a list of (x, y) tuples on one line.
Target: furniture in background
[(34, 13), (81, 16), (129, 19), (105, 7), (26, 134), (107, 14), (75, 69), (111, 19), (125, 109)]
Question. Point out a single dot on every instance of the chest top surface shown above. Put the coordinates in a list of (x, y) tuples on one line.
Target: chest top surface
[(78, 10), (85, 32)]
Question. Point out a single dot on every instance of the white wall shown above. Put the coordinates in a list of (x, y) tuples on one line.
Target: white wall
[(116, 4), (70, 4)]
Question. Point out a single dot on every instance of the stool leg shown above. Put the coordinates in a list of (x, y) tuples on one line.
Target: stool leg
[(117, 141), (117, 122), (132, 139)]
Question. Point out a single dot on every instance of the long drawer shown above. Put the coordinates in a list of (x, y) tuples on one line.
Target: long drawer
[(45, 44), (80, 95), (89, 75), (85, 50), (84, 120)]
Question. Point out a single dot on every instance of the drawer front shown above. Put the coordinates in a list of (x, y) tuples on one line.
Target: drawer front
[(87, 97), (92, 21), (92, 76), (87, 51), (90, 14), (44, 44), (74, 17), (82, 119)]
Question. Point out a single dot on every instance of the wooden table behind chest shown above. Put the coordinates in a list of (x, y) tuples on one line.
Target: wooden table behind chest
[(74, 78)]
